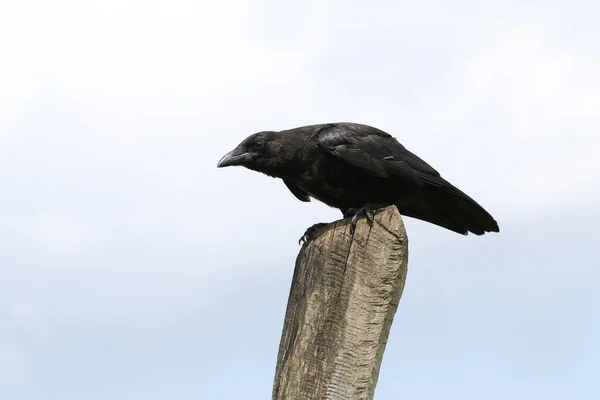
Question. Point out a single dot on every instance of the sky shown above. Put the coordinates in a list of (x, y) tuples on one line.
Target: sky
[(132, 268)]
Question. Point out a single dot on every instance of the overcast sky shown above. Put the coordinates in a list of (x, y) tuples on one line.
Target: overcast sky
[(131, 268)]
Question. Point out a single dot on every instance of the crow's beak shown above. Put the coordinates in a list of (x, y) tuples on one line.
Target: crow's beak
[(234, 157)]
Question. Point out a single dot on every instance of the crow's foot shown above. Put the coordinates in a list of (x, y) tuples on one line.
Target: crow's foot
[(311, 232), (368, 210)]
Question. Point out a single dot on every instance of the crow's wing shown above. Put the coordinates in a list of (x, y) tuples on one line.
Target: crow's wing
[(378, 154), (299, 193), (375, 153)]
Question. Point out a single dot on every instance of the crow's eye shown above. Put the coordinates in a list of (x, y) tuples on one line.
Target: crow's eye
[(254, 144), (258, 145)]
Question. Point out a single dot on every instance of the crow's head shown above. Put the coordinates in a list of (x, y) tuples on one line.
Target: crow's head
[(260, 151)]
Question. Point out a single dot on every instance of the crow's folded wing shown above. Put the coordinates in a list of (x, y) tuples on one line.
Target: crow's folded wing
[(375, 153)]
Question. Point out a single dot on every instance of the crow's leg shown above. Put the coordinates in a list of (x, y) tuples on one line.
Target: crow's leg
[(368, 210), (311, 232)]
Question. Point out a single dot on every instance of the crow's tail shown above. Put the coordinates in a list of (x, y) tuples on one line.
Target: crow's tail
[(448, 207)]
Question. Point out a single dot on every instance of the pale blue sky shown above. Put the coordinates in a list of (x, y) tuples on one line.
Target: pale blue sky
[(131, 268)]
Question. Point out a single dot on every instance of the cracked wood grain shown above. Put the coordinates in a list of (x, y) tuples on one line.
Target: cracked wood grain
[(344, 294)]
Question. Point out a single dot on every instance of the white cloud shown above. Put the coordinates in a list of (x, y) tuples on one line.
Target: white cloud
[(525, 112), (119, 64), (545, 90)]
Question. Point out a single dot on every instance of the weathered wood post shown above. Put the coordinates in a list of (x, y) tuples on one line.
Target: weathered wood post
[(342, 301)]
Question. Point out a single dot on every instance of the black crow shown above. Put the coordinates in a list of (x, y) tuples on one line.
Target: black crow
[(359, 169)]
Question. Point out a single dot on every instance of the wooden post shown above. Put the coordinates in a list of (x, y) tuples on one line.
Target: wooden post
[(343, 298)]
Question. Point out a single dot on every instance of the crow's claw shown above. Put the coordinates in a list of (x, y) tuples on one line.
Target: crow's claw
[(311, 232), (368, 211)]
